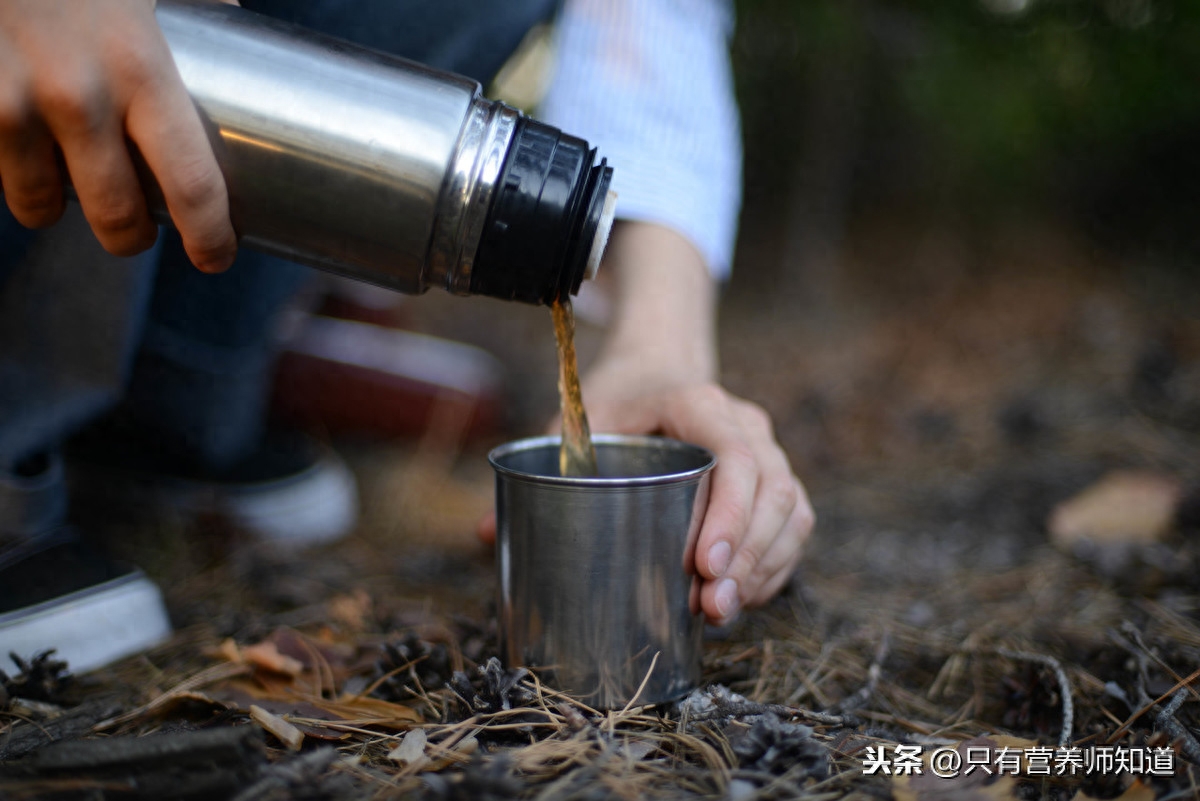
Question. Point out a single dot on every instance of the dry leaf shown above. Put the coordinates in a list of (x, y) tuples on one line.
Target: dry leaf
[(170, 702), (411, 751), (266, 655), (322, 650), (288, 734), (227, 650), (242, 695), (263, 655), (1127, 506)]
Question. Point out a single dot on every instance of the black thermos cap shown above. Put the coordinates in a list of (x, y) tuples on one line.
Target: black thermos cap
[(545, 211)]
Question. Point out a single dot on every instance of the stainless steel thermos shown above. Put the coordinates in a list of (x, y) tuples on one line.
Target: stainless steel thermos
[(380, 169)]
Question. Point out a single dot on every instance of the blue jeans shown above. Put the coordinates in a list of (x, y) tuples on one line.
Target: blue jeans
[(184, 356)]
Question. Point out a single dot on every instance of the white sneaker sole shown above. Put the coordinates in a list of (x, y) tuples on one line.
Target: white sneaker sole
[(90, 628), (320, 505), (315, 506)]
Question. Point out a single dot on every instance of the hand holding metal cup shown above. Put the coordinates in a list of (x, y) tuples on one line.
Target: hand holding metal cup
[(596, 584)]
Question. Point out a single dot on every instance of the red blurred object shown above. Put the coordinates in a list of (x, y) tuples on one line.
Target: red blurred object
[(345, 376)]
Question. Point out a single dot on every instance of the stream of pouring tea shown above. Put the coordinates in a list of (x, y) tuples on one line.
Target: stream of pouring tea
[(577, 455)]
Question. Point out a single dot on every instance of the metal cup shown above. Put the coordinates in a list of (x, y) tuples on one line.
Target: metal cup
[(596, 583)]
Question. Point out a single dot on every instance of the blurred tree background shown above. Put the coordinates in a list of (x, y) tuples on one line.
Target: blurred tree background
[(1084, 109)]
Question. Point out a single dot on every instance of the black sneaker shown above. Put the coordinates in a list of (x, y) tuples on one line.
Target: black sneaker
[(292, 491), (58, 593)]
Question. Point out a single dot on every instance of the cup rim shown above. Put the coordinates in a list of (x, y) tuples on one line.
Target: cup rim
[(554, 440)]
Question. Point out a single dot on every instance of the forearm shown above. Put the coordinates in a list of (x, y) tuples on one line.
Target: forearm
[(663, 323), (656, 373)]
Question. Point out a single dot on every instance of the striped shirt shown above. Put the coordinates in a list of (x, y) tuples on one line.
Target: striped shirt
[(648, 82)]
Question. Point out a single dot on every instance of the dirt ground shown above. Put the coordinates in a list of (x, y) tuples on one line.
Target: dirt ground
[(941, 391)]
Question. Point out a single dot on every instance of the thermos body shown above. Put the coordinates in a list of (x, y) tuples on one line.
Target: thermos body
[(383, 170)]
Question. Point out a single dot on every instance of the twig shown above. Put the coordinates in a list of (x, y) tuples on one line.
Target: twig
[(1186, 681), (375, 685), (284, 731), (540, 688), (333, 725), (1141, 643), (218, 672), (1139, 656), (1114, 690), (8, 730), (1165, 721), (1064, 687), (864, 694), (641, 686), (523, 725)]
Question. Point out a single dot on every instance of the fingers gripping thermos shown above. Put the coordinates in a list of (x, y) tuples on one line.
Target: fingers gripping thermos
[(383, 170)]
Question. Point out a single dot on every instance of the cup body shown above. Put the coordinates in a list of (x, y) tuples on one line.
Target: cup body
[(596, 582)]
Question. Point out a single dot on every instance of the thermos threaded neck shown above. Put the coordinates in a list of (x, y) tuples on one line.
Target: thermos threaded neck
[(547, 209)]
